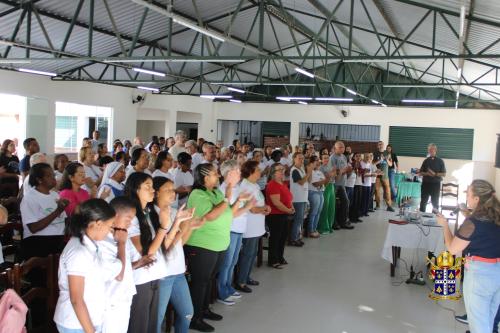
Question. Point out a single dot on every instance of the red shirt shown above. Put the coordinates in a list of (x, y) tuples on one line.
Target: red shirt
[(274, 187), (74, 199)]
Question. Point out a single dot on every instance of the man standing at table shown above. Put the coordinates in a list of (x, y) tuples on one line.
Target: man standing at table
[(432, 171)]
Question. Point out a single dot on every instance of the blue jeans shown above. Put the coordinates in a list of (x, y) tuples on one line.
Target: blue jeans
[(174, 288), (298, 219), (350, 194), (394, 192), (73, 330), (247, 259), (481, 295), (225, 278), (316, 201)]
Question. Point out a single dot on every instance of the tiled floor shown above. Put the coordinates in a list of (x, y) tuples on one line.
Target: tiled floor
[(339, 283)]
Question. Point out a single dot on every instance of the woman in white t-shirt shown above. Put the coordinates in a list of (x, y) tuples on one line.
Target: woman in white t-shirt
[(163, 166), (374, 172), (317, 184), (367, 184), (43, 215), (255, 225), (83, 273), (356, 202), (231, 173), (86, 157), (138, 162), (151, 241), (183, 177), (299, 186), (263, 167), (173, 287)]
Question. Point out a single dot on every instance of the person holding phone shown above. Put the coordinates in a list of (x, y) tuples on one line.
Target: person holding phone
[(479, 239), (433, 170)]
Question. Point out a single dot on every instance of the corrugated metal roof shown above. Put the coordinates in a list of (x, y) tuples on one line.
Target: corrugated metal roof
[(127, 16)]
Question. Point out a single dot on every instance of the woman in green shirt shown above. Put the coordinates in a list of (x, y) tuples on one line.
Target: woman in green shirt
[(206, 246)]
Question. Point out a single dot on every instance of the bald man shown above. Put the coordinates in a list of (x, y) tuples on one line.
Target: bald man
[(339, 162)]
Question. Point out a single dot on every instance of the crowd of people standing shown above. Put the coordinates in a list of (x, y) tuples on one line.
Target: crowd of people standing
[(134, 224)]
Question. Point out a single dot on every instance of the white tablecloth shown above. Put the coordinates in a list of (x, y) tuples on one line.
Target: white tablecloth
[(411, 236)]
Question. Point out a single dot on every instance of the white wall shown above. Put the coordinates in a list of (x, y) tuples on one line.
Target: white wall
[(43, 88), (486, 123)]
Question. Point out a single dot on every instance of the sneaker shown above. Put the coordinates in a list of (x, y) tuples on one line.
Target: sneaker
[(235, 296), (200, 325), (390, 209), (227, 301), (462, 319), (207, 314)]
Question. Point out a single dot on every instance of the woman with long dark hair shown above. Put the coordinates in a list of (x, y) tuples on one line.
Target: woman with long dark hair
[(206, 246), (149, 237), (173, 287), (479, 239), (9, 165), (71, 187), (83, 273)]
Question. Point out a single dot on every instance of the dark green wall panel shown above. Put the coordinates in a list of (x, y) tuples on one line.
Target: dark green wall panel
[(454, 143)]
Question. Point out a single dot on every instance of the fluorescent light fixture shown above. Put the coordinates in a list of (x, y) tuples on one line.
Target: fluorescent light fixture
[(302, 71), (241, 91), (301, 102), (288, 99), (375, 101), (382, 104), (148, 88), (177, 19), (287, 84), (333, 99), (385, 60), (15, 61), (412, 86), (147, 71), (235, 100), (352, 92), (197, 28), (6, 42), (32, 71), (217, 96), (462, 21), (134, 60), (425, 101)]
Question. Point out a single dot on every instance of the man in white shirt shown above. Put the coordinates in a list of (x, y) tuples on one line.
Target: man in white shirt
[(192, 149), (178, 147)]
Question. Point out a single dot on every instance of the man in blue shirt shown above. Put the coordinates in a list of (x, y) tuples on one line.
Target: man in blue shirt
[(31, 147)]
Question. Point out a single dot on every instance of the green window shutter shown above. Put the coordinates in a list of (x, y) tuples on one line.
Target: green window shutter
[(274, 128), (453, 143)]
